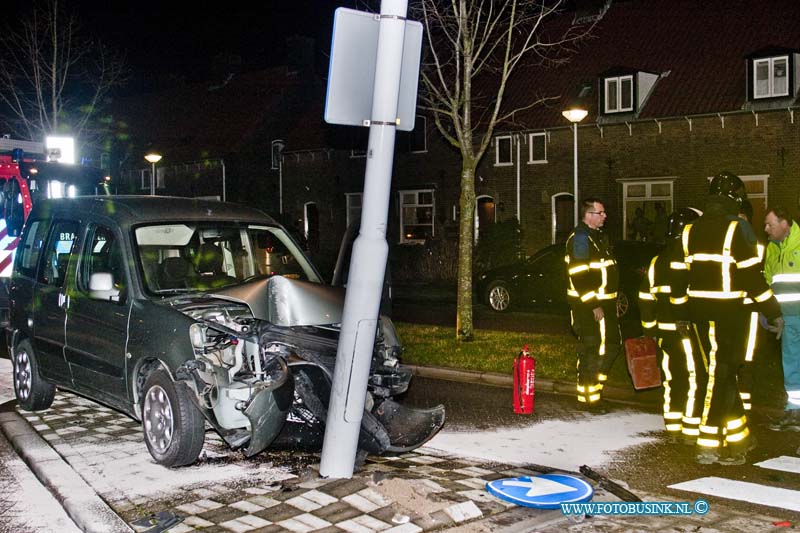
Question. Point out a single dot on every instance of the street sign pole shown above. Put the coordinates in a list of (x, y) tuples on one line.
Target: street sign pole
[(370, 251)]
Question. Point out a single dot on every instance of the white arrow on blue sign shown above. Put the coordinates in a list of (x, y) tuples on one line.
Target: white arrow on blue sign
[(547, 491)]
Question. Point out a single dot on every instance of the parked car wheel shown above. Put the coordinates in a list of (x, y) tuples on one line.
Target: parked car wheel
[(173, 427), (33, 393), (622, 304), (498, 297)]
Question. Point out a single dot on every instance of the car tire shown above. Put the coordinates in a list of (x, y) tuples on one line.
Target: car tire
[(498, 296), (33, 393), (623, 304), (174, 429)]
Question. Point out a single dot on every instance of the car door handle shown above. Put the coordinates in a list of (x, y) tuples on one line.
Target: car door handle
[(63, 300)]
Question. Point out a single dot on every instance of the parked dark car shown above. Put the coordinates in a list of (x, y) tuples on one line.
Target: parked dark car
[(540, 281), (181, 312)]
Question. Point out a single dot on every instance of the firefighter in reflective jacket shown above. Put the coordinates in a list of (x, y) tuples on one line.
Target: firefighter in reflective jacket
[(721, 270), (592, 294), (683, 365)]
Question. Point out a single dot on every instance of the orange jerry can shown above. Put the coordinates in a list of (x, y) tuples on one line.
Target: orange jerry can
[(641, 354)]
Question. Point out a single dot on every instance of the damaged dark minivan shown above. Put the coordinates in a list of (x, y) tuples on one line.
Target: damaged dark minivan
[(182, 313)]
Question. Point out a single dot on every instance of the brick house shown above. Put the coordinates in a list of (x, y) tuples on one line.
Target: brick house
[(676, 92)]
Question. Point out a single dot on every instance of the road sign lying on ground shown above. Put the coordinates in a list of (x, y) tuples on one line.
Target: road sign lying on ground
[(547, 491)]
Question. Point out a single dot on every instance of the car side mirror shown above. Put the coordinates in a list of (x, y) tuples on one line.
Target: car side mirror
[(101, 287)]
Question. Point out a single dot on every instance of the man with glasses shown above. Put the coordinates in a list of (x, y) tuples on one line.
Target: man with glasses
[(592, 294)]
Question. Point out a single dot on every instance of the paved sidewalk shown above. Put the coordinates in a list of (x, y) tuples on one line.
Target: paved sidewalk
[(278, 492), (94, 461)]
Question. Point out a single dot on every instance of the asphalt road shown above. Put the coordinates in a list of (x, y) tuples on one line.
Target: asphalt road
[(651, 467)]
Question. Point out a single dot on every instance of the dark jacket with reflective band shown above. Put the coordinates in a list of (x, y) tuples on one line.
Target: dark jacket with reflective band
[(720, 265), (591, 268), (782, 270), (655, 308)]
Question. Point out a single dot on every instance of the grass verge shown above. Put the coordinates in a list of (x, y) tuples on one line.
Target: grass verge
[(493, 351)]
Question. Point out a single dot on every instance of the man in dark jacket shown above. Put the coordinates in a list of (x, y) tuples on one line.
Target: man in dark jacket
[(722, 270), (683, 366), (592, 293)]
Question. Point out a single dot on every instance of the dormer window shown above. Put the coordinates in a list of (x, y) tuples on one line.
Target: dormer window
[(624, 91), (619, 94), (771, 77)]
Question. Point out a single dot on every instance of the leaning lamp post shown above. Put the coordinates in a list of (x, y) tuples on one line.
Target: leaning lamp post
[(575, 114), (153, 158)]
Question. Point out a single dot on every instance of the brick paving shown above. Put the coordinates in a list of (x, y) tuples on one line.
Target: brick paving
[(106, 448), (424, 490)]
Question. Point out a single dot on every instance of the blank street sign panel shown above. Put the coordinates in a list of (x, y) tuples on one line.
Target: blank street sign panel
[(351, 77)]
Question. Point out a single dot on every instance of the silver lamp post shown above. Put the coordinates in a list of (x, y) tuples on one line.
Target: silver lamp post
[(575, 114), (153, 158)]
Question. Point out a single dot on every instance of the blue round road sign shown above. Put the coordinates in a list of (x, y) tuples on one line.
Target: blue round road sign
[(547, 491)]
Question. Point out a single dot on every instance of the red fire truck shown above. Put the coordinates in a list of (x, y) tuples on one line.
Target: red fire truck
[(26, 176)]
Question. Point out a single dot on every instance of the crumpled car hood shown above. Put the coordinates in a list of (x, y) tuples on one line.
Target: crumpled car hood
[(288, 302)]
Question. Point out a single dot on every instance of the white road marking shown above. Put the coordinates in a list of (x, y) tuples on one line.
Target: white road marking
[(743, 491), (784, 463)]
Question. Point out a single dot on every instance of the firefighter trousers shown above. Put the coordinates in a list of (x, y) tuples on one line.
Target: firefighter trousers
[(685, 377), (726, 330), (599, 344)]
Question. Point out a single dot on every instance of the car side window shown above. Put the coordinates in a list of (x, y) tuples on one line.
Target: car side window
[(58, 250), (31, 247), (104, 254)]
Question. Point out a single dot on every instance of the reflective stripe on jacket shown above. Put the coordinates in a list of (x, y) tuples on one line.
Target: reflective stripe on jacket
[(656, 309), (723, 266), (782, 270), (591, 268)]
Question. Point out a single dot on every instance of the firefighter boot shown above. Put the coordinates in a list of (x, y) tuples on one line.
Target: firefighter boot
[(789, 422)]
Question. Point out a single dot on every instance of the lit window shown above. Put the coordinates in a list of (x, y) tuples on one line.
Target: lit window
[(503, 151), (619, 94), (646, 208), (416, 215), (537, 148), (771, 77)]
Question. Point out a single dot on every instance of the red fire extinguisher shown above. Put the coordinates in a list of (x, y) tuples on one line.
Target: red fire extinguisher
[(524, 382)]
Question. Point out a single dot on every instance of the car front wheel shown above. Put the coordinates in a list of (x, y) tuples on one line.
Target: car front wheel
[(33, 393), (173, 427), (498, 297)]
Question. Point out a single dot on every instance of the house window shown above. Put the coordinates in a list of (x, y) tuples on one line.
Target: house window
[(145, 173), (416, 215), (771, 77), (417, 138), (756, 187), (537, 148), (619, 94), (503, 151), (647, 205), (353, 207)]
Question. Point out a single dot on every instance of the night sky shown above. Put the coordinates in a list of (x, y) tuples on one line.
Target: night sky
[(178, 38)]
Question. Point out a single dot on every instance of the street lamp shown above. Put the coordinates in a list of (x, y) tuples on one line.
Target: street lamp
[(575, 113), (153, 158)]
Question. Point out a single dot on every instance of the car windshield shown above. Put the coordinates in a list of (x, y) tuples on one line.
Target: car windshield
[(198, 256)]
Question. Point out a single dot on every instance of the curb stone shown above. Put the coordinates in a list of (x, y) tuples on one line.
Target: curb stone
[(89, 512)]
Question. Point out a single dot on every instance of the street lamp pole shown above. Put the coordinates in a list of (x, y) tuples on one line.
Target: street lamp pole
[(153, 158), (575, 114)]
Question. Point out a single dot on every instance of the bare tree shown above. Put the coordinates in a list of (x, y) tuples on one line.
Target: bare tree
[(53, 79), (474, 48)]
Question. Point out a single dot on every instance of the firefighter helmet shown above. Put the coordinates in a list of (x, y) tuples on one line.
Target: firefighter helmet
[(728, 184), (678, 219)]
